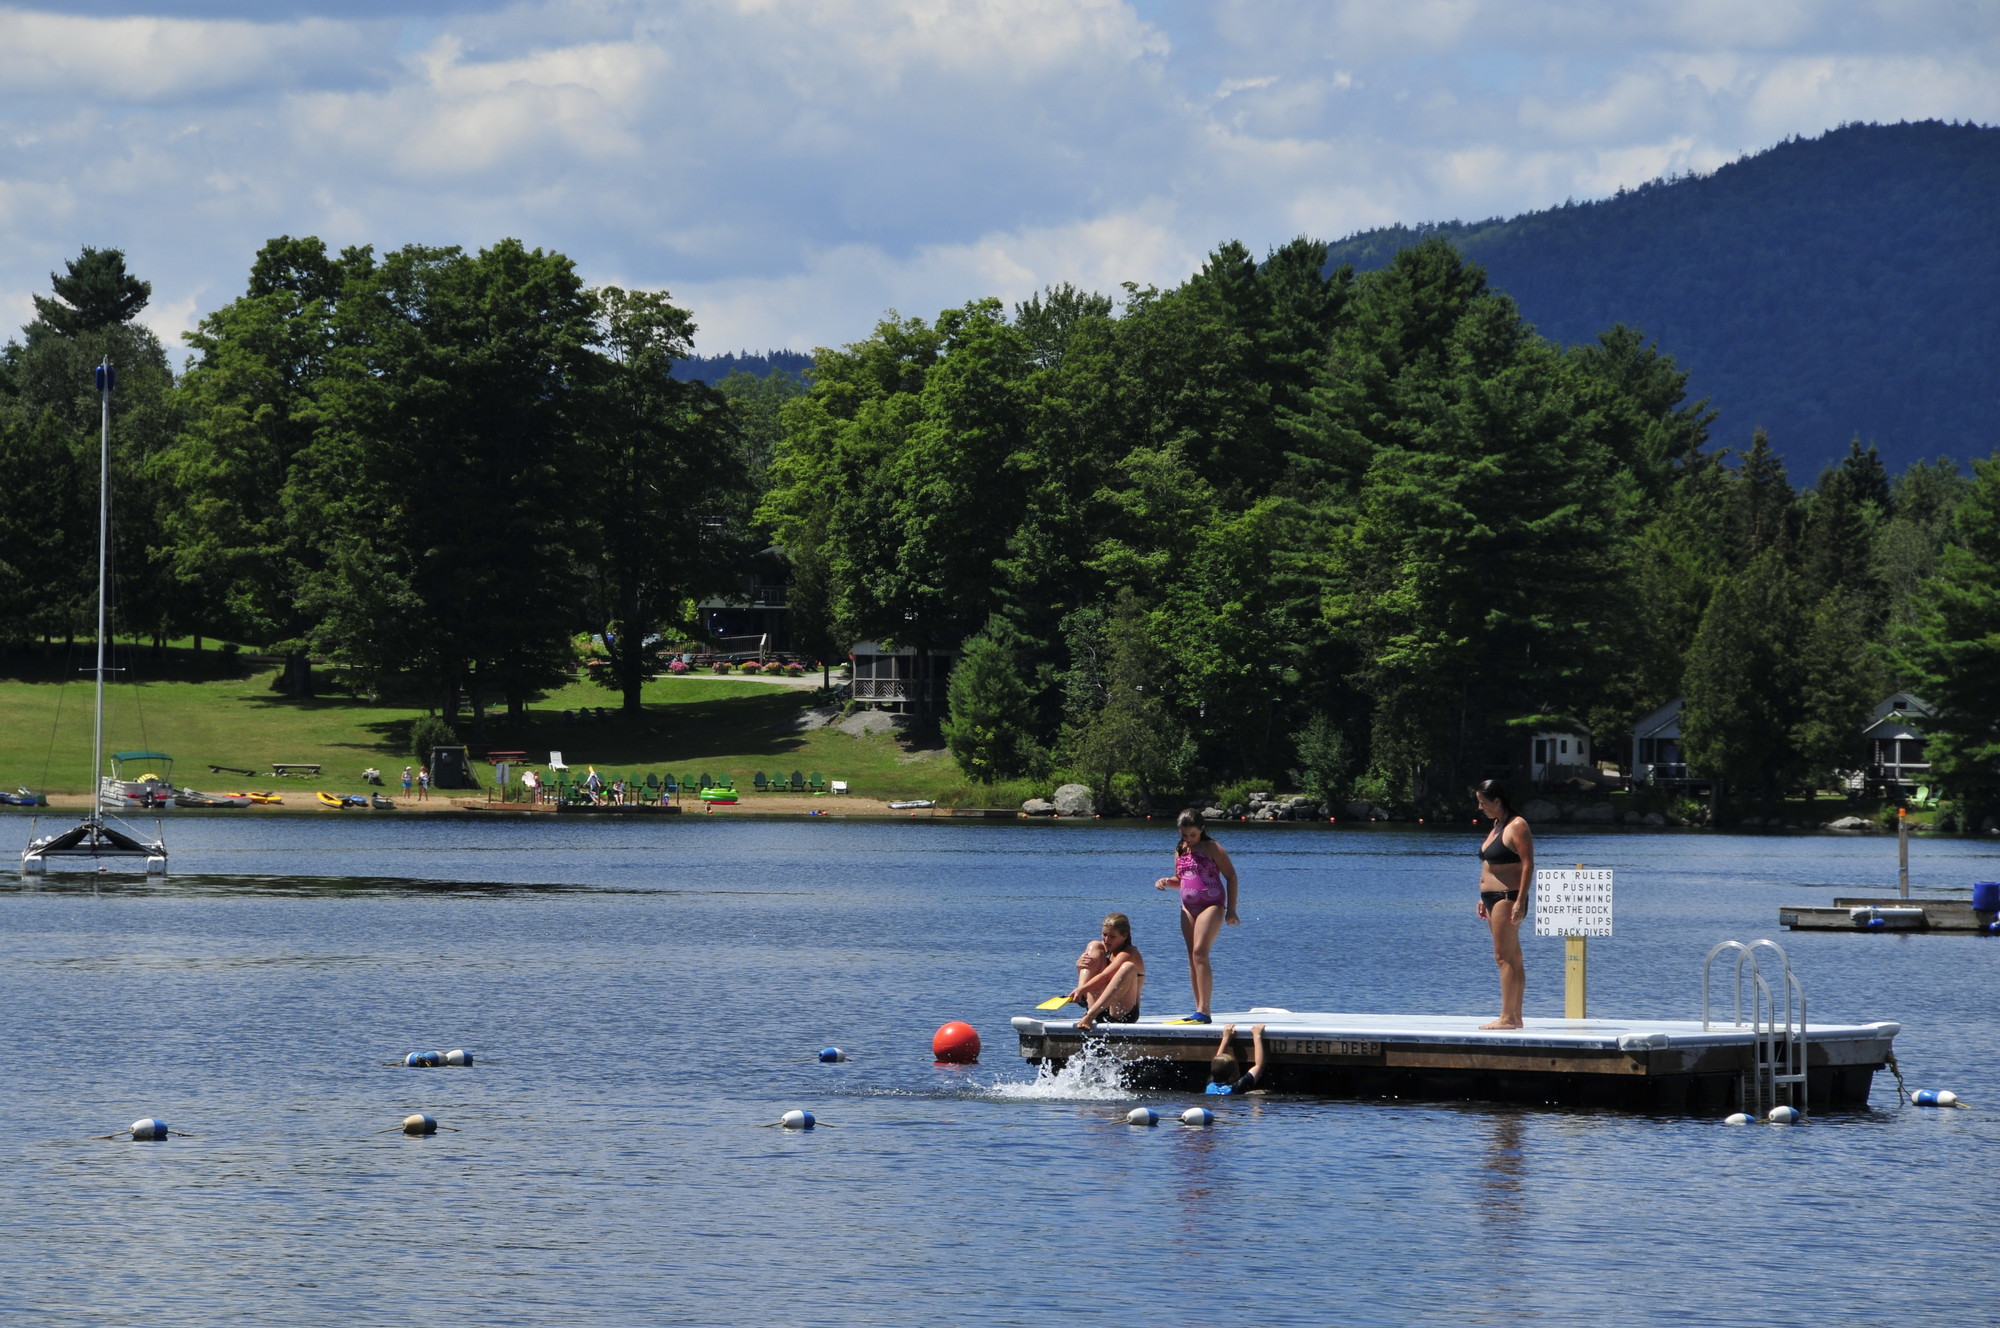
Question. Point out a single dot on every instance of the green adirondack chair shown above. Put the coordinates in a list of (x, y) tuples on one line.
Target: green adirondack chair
[(761, 784), (798, 782), (816, 782)]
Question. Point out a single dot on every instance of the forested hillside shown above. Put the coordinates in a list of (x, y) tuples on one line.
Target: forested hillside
[(715, 368), (1826, 288), (1279, 523), (1363, 534)]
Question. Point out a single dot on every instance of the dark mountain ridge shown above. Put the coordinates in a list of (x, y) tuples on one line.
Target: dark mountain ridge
[(1825, 288)]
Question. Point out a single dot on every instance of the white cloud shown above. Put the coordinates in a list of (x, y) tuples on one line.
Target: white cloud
[(792, 170)]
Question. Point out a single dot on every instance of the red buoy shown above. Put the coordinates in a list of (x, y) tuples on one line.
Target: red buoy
[(956, 1044)]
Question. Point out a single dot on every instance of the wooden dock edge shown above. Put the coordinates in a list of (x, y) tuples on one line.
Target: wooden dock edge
[(1898, 914), (1699, 1080)]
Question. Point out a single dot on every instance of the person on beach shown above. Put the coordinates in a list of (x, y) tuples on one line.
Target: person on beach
[(1110, 974), (1223, 1067), (406, 781), (423, 784), (1506, 875), (1207, 881)]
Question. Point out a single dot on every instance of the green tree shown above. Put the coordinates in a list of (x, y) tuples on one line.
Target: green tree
[(1326, 759), (1132, 731), (95, 292), (1951, 653), (242, 517), (1840, 679), (441, 474), (1907, 548), (1480, 571), (51, 502), (1744, 708), (51, 374), (668, 482), (989, 728), (757, 404)]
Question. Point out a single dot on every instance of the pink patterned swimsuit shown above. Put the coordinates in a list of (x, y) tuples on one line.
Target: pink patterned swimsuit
[(1201, 882)]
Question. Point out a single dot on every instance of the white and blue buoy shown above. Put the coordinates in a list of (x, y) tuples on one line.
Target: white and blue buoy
[(797, 1120), (1736, 1118), (419, 1124), (1200, 1116), (1933, 1097), (149, 1130), (828, 1055), (1784, 1115), (458, 1056), (1142, 1116), (423, 1059)]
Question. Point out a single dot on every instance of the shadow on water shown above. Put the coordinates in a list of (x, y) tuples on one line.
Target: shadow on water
[(318, 887)]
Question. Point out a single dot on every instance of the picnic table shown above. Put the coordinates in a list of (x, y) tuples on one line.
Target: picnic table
[(511, 758), (284, 768)]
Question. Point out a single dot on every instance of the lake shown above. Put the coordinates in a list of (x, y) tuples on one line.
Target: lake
[(645, 998)]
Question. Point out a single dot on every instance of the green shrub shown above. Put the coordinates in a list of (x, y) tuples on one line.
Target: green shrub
[(428, 732)]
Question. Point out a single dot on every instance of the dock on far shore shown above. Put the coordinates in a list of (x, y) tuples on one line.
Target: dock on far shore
[(1632, 1064)]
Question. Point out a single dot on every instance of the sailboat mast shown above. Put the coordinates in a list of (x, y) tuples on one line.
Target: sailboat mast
[(104, 378)]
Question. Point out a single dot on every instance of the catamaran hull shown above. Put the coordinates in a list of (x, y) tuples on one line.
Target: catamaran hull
[(93, 847)]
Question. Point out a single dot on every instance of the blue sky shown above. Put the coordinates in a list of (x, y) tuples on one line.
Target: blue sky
[(790, 171)]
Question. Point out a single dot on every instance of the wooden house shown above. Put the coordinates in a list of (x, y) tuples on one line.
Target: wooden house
[(1896, 761), (1656, 747), (894, 679)]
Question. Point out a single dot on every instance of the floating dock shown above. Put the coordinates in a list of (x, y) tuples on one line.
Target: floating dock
[(1633, 1064), (1894, 914)]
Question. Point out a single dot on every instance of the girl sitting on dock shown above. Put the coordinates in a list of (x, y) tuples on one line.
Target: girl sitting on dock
[(1110, 973), (1506, 873), (1201, 869)]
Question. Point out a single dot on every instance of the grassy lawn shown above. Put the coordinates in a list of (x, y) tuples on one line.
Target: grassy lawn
[(203, 713)]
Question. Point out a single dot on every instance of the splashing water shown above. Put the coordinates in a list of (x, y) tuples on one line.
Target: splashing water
[(1093, 1075)]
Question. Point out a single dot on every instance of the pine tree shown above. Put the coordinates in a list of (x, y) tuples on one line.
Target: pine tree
[(1952, 653), (992, 708), (1743, 703), (96, 293)]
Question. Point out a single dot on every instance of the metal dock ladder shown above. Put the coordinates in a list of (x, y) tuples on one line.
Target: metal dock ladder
[(1778, 1072)]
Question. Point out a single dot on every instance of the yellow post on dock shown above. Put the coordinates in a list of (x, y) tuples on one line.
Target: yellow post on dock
[(1574, 905), (1576, 975)]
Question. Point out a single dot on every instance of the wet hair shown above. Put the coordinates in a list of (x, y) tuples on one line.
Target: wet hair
[(1119, 923), (1194, 819), (1497, 791), (1223, 1069)]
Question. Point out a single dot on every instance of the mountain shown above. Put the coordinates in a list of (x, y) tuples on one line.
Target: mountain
[(712, 369), (1828, 287)]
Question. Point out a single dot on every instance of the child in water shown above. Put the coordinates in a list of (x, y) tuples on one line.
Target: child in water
[(1223, 1067)]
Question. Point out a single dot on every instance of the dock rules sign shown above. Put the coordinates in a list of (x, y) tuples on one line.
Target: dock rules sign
[(1573, 902)]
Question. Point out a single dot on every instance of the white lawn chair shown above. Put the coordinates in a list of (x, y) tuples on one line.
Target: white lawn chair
[(556, 763), (840, 786)]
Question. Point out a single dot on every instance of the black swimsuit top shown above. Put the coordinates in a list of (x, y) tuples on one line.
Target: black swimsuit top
[(1497, 852)]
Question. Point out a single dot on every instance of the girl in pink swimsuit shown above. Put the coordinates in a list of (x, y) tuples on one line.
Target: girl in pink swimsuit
[(1206, 879)]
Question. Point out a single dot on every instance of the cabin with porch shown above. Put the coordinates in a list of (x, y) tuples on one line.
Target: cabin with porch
[(893, 679), (1897, 764), (1656, 747)]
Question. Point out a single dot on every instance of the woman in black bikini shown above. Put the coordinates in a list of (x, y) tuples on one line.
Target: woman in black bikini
[(1506, 874)]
